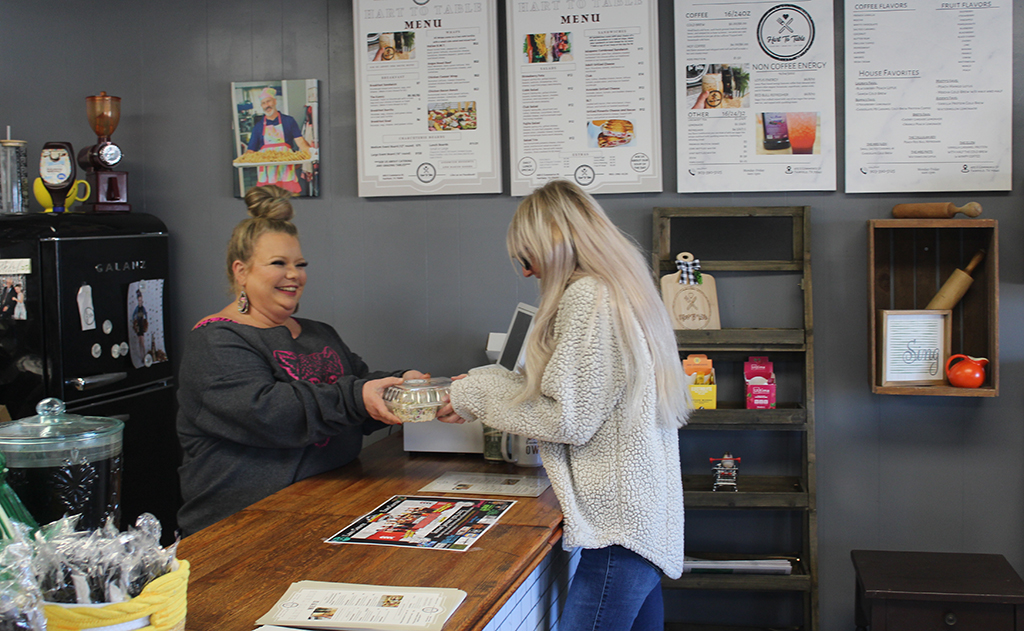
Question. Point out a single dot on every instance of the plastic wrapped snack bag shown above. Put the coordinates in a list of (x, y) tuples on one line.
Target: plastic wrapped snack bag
[(21, 603)]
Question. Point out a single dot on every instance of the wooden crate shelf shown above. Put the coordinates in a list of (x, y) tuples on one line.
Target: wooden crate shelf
[(908, 261)]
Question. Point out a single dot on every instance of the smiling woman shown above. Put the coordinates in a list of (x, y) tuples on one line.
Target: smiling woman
[(274, 277), (267, 399)]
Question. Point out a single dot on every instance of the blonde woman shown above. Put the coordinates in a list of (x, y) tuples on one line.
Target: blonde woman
[(604, 395)]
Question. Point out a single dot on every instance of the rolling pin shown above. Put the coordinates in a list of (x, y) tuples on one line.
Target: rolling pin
[(939, 210), (956, 285)]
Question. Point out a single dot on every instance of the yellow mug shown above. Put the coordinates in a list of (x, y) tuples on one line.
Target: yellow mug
[(45, 200)]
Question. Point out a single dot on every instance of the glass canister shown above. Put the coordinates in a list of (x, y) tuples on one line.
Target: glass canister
[(65, 464), (13, 176), (418, 400)]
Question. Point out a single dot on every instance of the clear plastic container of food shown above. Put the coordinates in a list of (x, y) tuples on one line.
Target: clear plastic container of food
[(418, 400)]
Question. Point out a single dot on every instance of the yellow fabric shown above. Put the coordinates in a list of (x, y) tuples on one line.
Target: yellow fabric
[(164, 600)]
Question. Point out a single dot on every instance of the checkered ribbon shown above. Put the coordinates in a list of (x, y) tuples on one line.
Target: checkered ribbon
[(689, 272)]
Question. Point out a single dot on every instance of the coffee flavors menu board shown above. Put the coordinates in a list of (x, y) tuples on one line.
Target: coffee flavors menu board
[(755, 96), (584, 86), (427, 97), (929, 95)]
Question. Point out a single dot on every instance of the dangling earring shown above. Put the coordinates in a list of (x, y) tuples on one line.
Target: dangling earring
[(243, 302)]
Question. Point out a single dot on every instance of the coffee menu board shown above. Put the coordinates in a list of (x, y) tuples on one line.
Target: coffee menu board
[(928, 106), (427, 97), (755, 96), (584, 89)]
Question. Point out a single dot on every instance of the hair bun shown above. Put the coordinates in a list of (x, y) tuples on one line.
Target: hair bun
[(269, 202)]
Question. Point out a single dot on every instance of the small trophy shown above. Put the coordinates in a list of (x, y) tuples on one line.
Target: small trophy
[(724, 470)]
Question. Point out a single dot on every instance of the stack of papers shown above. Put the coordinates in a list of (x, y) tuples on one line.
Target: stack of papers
[(737, 566), (489, 484), (319, 605)]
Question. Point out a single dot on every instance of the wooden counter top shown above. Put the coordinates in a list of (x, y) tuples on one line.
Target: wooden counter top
[(243, 564)]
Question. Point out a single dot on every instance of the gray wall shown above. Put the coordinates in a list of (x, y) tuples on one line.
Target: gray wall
[(418, 282)]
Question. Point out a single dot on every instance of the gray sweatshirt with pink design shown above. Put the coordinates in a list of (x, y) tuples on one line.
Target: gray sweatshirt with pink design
[(258, 410)]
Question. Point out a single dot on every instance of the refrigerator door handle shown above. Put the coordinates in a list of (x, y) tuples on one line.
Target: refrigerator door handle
[(95, 381)]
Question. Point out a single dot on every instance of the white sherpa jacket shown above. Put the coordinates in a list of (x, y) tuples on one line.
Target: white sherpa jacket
[(618, 481)]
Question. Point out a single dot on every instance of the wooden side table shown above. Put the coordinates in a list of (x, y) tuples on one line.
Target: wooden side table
[(937, 591)]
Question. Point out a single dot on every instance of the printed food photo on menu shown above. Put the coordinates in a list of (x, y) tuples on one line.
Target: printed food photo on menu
[(398, 46), (547, 47), (455, 116), (609, 133), (787, 133), (803, 131), (717, 86)]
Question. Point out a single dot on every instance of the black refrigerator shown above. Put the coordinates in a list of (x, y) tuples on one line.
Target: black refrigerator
[(83, 304)]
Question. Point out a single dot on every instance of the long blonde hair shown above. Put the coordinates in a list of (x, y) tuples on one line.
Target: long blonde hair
[(269, 211), (563, 233)]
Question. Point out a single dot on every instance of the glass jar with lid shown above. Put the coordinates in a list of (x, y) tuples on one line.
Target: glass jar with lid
[(65, 464)]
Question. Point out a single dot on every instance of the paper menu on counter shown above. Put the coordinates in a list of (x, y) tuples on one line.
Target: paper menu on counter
[(755, 96), (412, 521), (488, 484), (929, 96), (427, 110), (343, 606), (584, 90)]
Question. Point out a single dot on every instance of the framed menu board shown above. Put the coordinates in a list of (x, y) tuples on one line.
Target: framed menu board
[(584, 95), (755, 96), (426, 97), (929, 108)]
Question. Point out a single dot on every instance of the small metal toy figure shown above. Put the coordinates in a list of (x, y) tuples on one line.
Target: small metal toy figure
[(725, 470)]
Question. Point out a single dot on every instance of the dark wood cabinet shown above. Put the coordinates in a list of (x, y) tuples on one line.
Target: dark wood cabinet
[(935, 591)]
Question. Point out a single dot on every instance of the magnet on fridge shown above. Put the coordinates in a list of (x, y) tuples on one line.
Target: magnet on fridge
[(86, 313), (12, 297)]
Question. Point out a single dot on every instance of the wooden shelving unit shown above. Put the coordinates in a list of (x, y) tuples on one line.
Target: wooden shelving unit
[(908, 261), (743, 228)]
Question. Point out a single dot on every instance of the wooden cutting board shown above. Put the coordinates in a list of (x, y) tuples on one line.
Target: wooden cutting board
[(691, 307)]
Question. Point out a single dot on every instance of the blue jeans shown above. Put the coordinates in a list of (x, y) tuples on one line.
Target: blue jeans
[(613, 589)]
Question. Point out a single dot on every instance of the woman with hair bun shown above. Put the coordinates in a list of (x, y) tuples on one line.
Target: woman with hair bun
[(604, 395), (267, 399)]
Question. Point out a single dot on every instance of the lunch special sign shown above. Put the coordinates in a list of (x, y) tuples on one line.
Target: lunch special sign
[(427, 97), (755, 94), (584, 85)]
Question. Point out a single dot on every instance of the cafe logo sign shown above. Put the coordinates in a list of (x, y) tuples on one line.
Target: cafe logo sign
[(785, 32)]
